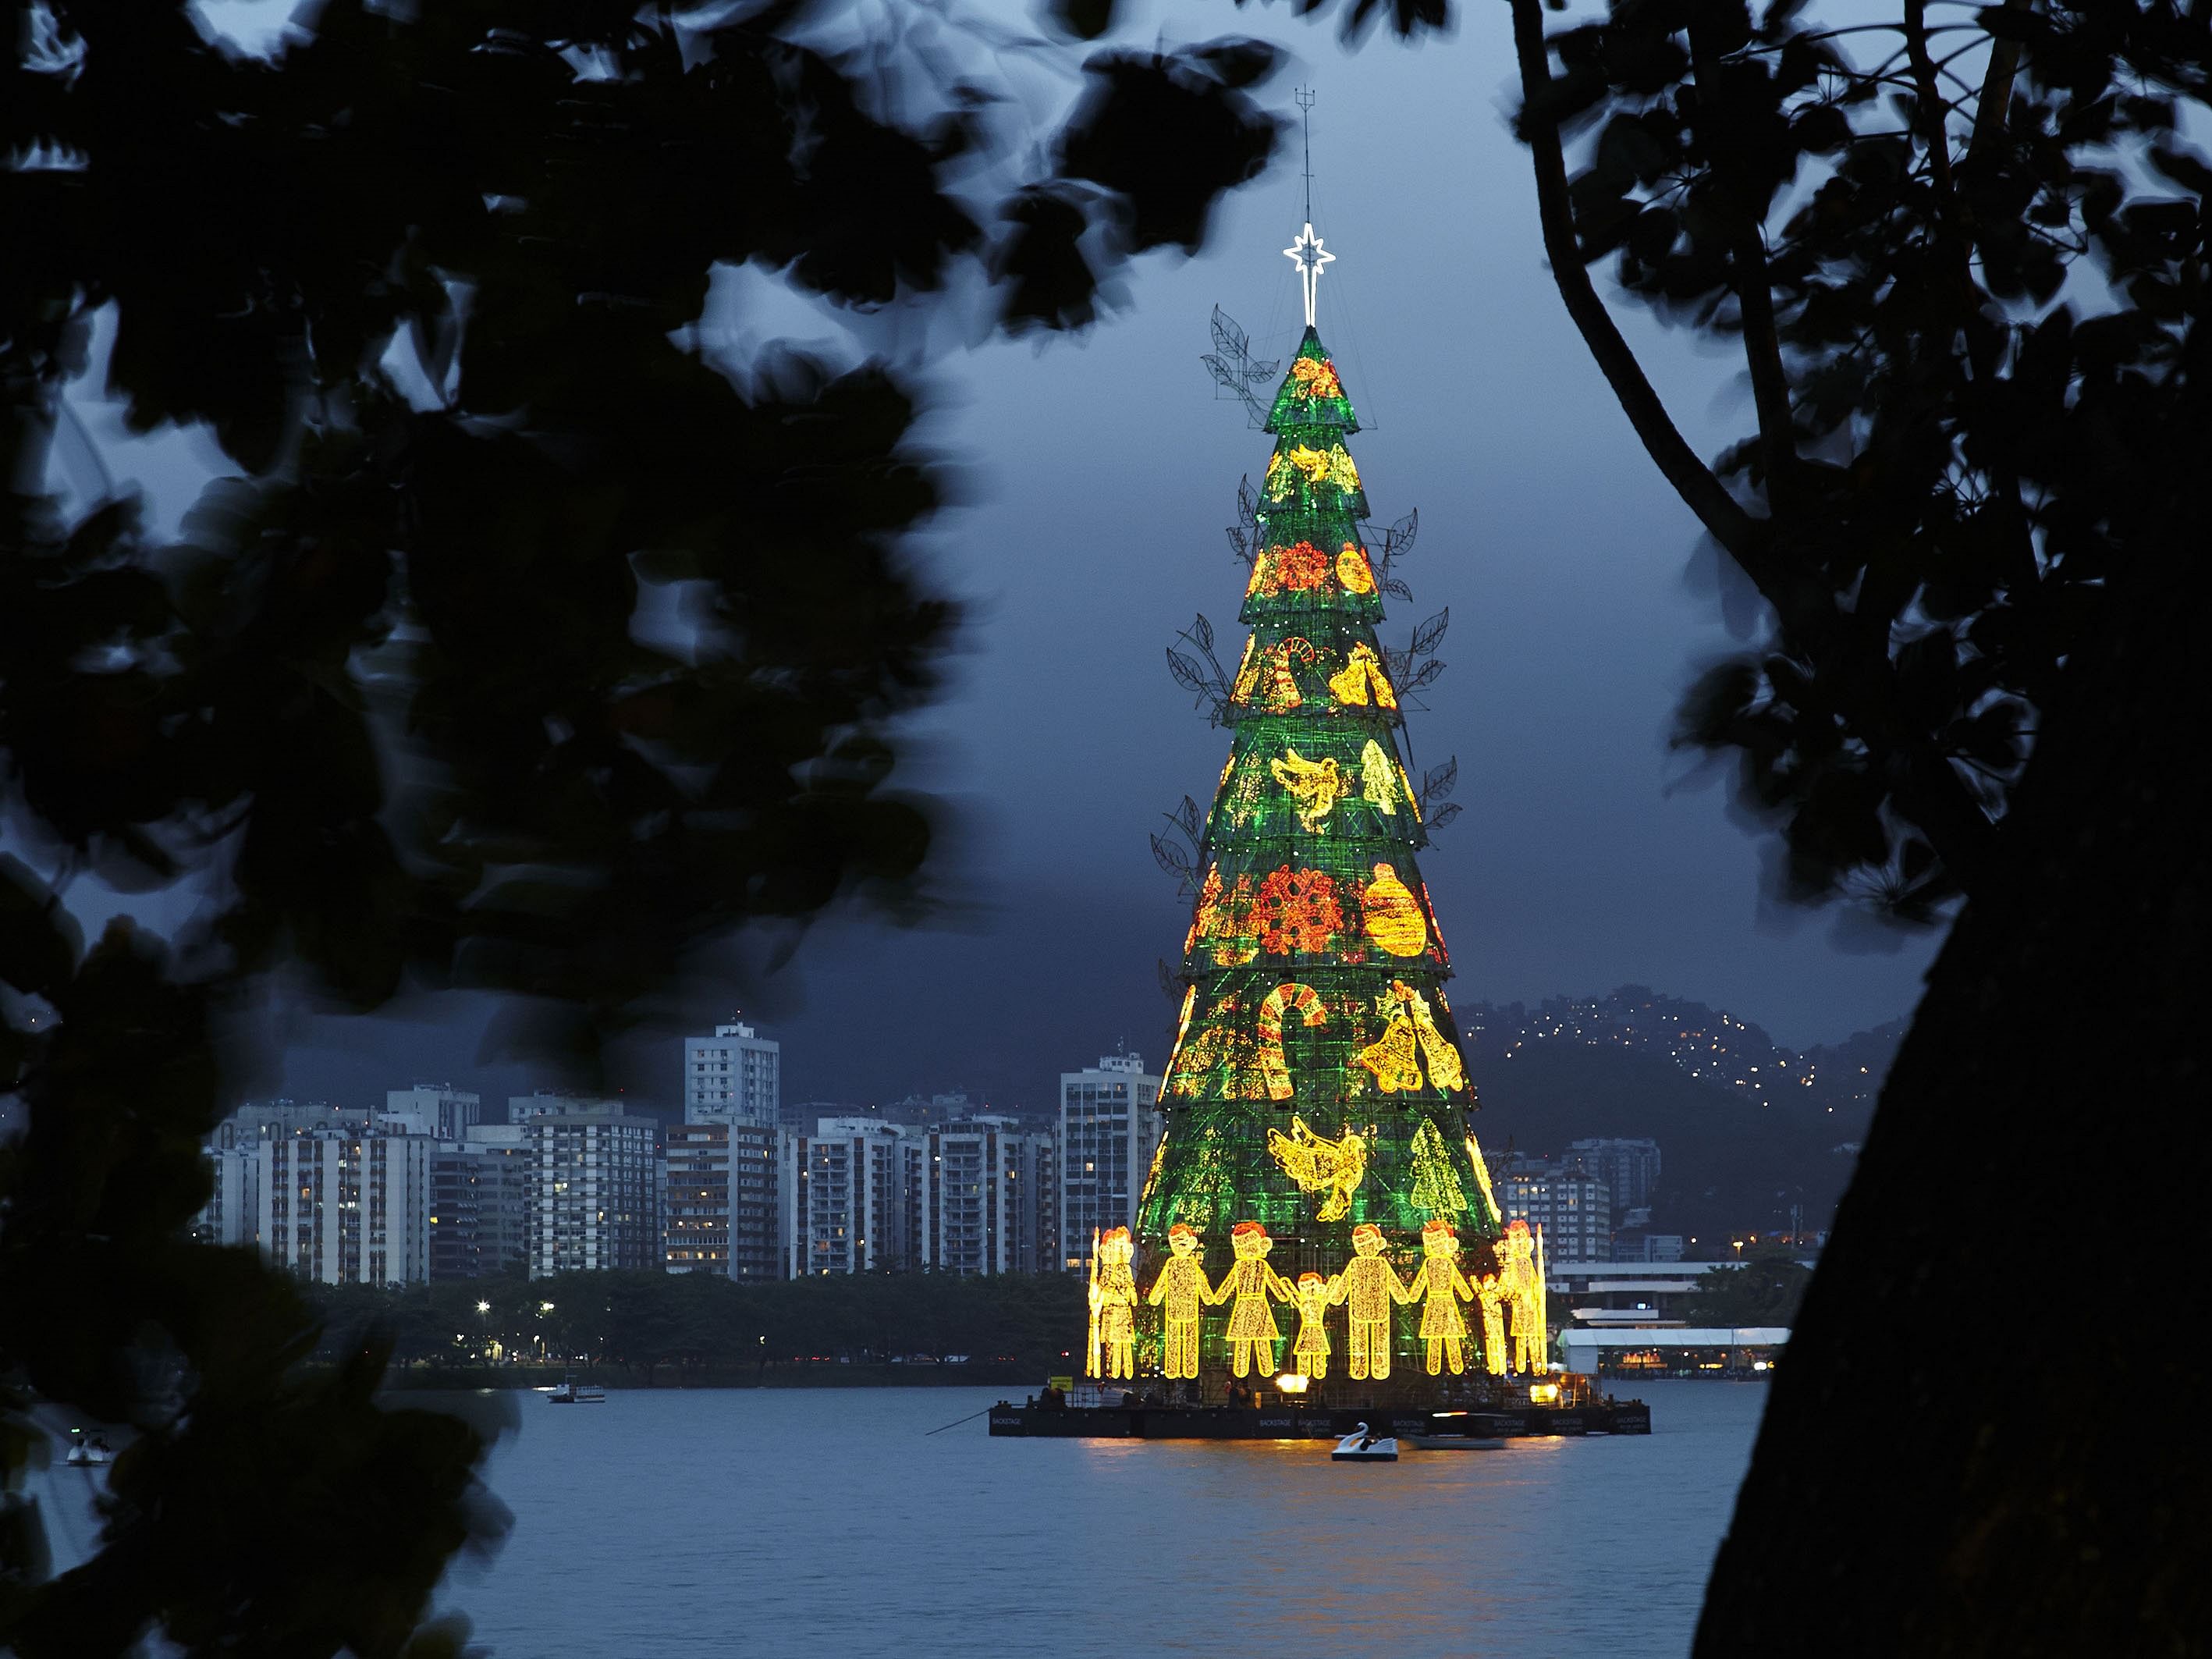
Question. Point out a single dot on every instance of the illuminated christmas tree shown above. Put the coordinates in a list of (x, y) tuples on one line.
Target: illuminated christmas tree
[(1316, 1086)]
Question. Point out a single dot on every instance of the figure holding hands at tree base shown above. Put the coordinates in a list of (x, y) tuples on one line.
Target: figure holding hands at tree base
[(1368, 1286), (1252, 1330), (1309, 1353), (1113, 1301), (1182, 1288), (1439, 1286), (1492, 1296)]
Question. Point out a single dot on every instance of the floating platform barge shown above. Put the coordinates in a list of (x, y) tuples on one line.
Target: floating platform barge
[(1514, 1415)]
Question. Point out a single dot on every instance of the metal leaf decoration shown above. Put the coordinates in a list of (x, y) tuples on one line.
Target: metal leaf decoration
[(1233, 368), (1188, 674), (1431, 633), (1171, 858)]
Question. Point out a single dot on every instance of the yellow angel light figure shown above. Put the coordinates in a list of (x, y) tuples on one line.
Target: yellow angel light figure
[(1368, 1286), (1318, 1165), (1183, 1291), (1315, 786), (1439, 1286), (1252, 1330), (1114, 1303), (1309, 1353)]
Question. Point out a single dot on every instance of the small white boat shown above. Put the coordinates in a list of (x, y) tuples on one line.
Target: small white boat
[(569, 1392), (85, 1453), (1362, 1445)]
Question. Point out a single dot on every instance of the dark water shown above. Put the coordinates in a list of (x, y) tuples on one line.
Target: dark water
[(800, 1522)]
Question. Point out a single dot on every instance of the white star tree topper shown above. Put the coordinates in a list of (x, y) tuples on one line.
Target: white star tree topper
[(1308, 254)]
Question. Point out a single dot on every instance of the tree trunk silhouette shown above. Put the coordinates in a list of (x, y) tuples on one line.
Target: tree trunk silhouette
[(1986, 1436)]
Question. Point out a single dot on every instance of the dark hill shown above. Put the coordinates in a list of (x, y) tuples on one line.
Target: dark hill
[(1727, 1166)]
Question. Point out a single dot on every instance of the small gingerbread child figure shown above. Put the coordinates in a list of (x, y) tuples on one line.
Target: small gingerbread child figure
[(1309, 1353), (1439, 1286), (1491, 1295), (1368, 1286), (1252, 1330), (1182, 1290)]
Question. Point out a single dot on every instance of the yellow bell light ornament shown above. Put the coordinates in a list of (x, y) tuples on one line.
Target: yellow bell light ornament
[(1393, 918)]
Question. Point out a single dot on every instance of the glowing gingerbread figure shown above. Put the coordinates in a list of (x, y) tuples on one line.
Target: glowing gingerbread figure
[(1493, 1323), (1183, 1291), (1368, 1286), (1252, 1330), (1114, 1303), (1522, 1283), (1309, 1353), (1439, 1286)]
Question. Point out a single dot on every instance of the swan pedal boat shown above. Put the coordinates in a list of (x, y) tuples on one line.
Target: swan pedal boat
[(1361, 1446)]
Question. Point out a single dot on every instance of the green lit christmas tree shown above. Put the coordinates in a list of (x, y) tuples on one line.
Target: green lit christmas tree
[(1319, 1202)]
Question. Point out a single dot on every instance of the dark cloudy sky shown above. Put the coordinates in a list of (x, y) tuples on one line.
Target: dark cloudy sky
[(1100, 474)]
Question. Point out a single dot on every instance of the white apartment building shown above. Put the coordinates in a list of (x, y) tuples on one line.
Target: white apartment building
[(982, 1198), (347, 1209), (594, 1194), (734, 1076), (845, 1197), (437, 1109), (1109, 1125), (232, 1214), (1573, 1207)]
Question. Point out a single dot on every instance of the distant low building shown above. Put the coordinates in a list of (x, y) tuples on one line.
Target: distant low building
[(1573, 1206), (1630, 1169), (437, 1109)]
